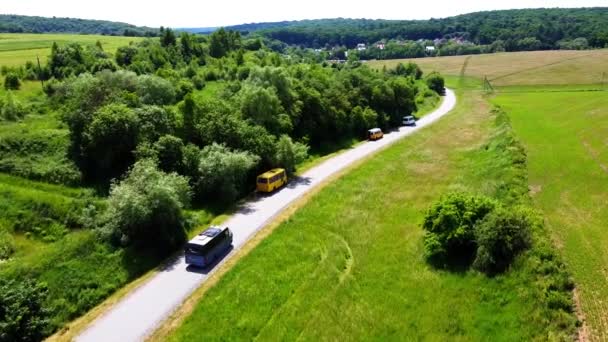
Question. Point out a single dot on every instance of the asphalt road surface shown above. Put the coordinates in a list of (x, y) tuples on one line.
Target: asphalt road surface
[(139, 313)]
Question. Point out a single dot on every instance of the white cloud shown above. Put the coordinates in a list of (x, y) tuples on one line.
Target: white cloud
[(192, 13)]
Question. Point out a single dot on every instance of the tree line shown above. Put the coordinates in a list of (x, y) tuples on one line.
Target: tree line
[(10, 23), (513, 30)]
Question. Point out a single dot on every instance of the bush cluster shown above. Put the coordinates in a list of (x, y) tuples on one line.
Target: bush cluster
[(463, 229), (23, 316)]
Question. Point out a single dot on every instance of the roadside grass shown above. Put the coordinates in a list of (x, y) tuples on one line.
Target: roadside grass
[(18, 48), (565, 134), (520, 68), (349, 263)]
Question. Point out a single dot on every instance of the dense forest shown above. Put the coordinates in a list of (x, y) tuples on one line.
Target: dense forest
[(31, 24), (512, 30), (142, 137)]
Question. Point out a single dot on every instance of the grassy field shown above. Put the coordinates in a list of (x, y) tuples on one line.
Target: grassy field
[(521, 68), (565, 134), (350, 264), (18, 48)]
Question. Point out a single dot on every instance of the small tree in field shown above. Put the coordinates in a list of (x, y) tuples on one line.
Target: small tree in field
[(11, 81)]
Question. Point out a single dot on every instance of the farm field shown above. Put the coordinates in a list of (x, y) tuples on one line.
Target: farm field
[(18, 48), (557, 111), (565, 134), (520, 68), (350, 262)]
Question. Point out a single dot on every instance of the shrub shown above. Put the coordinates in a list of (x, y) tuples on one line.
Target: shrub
[(223, 172), (22, 314), (500, 236), (155, 90), (11, 109), (145, 208), (7, 244), (450, 227), (436, 82), (289, 154), (11, 81)]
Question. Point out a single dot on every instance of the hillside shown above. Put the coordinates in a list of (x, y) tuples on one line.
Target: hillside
[(526, 29), (30, 24)]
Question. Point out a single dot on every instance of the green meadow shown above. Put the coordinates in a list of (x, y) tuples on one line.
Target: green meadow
[(565, 134)]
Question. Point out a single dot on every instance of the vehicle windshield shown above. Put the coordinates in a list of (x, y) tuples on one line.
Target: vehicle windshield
[(193, 250), (263, 180)]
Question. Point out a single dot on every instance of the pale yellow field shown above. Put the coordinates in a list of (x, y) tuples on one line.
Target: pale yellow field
[(520, 68)]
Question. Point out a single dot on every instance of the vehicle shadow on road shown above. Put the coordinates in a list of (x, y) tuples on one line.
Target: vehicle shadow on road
[(297, 181), (210, 267)]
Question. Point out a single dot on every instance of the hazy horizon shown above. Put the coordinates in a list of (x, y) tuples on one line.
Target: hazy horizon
[(188, 13)]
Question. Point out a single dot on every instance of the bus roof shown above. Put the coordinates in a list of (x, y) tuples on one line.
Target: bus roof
[(271, 173), (375, 130), (206, 236)]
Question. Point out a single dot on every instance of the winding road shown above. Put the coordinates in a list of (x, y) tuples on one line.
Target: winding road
[(139, 313)]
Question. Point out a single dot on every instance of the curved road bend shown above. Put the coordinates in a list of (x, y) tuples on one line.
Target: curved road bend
[(137, 315)]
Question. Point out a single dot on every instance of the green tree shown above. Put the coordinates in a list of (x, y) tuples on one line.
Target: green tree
[(23, 316), (436, 83), (263, 107), (146, 208), (168, 38), (289, 154), (223, 173), (108, 142), (12, 82), (155, 90), (170, 153)]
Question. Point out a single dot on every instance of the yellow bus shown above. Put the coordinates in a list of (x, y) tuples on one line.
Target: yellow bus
[(271, 180), (375, 134)]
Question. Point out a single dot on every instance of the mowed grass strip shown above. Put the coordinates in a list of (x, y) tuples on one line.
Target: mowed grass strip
[(18, 48), (349, 264), (566, 138), (520, 68)]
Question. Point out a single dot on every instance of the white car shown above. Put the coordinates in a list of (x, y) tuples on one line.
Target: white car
[(409, 121)]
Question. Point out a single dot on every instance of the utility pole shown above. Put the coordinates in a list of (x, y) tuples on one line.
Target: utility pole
[(40, 72)]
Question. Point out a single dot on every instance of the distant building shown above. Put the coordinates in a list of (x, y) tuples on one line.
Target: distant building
[(380, 46), (430, 49), (361, 47)]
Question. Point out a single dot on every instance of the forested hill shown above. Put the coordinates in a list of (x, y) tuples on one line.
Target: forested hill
[(29, 24), (542, 28)]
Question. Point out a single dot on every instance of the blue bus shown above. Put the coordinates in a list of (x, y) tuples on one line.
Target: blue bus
[(207, 246)]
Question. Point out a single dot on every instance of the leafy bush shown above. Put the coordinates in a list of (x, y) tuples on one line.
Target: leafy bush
[(463, 229), (7, 244), (11, 109), (500, 236), (145, 208), (23, 316), (222, 172), (450, 227), (436, 82), (289, 154), (11, 81), (155, 90)]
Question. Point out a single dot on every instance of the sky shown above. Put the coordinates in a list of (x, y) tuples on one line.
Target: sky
[(206, 13)]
